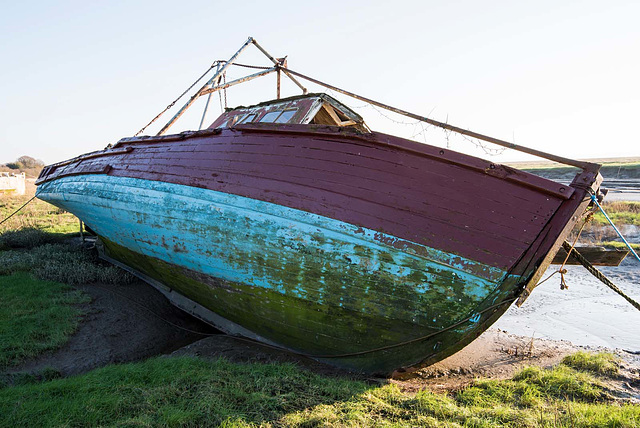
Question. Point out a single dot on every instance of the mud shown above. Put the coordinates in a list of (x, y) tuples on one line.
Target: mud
[(120, 324)]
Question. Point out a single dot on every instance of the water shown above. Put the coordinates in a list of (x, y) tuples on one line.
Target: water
[(587, 313)]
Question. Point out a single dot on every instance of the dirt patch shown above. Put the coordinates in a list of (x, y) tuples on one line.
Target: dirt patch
[(496, 354), (120, 324)]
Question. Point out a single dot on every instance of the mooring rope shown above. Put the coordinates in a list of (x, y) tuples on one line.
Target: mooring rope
[(595, 272), (18, 210), (595, 201), (562, 271)]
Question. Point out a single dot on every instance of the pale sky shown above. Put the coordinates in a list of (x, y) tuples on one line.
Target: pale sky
[(558, 76)]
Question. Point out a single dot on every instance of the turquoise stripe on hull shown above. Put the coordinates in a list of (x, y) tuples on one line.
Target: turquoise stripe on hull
[(300, 255)]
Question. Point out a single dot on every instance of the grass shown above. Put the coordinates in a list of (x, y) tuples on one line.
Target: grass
[(37, 215), (603, 363), (619, 245), (189, 391), (35, 316), (62, 262), (38, 311), (620, 212)]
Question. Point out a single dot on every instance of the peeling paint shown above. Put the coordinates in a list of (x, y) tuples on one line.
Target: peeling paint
[(286, 274)]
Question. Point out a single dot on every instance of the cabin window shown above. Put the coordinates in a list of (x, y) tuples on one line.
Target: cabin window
[(285, 116), (248, 118), (270, 117), (278, 116), (230, 122)]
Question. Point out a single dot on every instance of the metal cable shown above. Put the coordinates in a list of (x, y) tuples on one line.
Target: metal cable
[(18, 210), (595, 201), (176, 100)]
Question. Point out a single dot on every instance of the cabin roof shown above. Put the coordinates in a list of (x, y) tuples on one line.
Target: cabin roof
[(320, 109)]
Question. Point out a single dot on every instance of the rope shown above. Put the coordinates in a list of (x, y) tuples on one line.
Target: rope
[(16, 211), (215, 64), (595, 201), (595, 272), (351, 354), (562, 271)]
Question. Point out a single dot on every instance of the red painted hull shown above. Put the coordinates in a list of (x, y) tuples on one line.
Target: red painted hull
[(456, 203)]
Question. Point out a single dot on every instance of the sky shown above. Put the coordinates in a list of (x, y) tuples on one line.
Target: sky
[(557, 76)]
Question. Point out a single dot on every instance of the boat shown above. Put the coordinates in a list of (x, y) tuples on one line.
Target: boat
[(291, 223)]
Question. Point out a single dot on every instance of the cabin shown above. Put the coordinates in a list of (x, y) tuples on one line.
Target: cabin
[(318, 109)]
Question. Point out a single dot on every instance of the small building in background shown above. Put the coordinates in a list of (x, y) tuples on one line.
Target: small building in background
[(11, 183)]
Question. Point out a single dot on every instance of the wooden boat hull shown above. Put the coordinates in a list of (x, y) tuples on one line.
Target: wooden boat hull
[(320, 253)]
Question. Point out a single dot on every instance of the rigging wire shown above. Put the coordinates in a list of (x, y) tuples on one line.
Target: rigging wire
[(215, 64), (490, 151), (595, 201), (18, 210)]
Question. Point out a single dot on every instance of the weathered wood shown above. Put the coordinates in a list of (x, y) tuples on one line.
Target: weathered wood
[(374, 182), (597, 256)]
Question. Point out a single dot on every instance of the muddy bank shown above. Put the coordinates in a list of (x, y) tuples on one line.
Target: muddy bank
[(588, 313)]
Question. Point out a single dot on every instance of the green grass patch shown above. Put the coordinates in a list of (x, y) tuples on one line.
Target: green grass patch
[(619, 245), (602, 363), (35, 316), (189, 391), (620, 212), (36, 215), (28, 237), (52, 257)]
